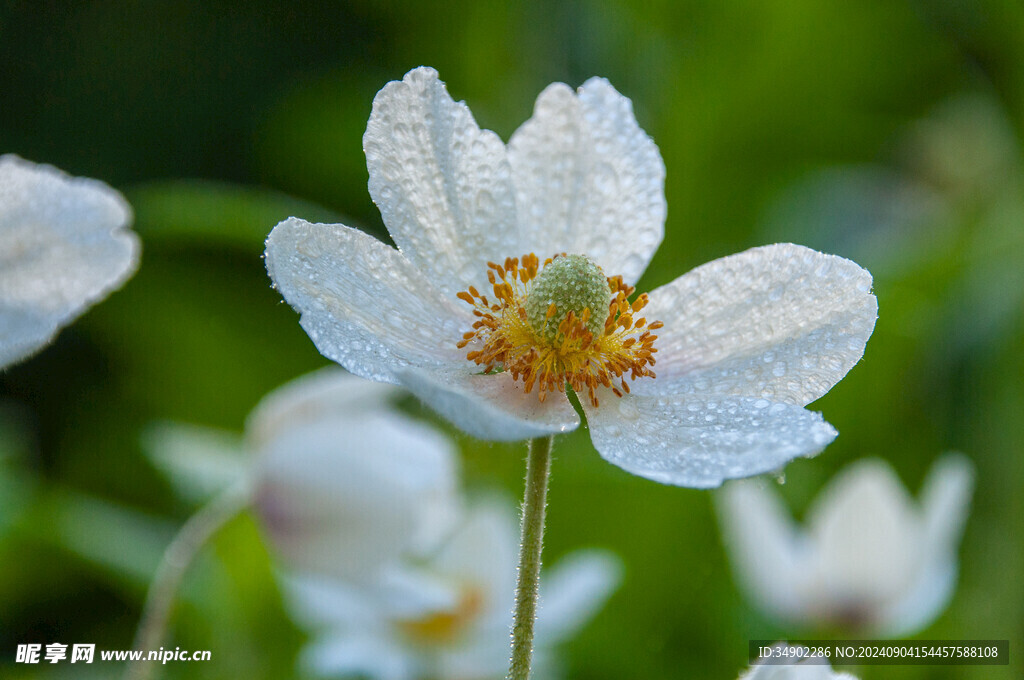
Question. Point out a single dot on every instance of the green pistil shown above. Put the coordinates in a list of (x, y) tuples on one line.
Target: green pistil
[(572, 283)]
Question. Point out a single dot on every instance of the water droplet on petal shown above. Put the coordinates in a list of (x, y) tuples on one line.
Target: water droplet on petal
[(627, 409)]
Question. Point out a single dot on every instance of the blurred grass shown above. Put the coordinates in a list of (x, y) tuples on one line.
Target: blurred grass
[(218, 120)]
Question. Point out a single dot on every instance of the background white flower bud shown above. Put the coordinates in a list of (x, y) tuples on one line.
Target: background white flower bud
[(343, 483)]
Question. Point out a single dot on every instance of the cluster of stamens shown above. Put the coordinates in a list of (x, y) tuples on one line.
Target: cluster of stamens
[(562, 345)]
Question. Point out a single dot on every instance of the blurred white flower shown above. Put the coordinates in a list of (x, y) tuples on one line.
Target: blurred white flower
[(871, 559), (743, 343), (381, 559), (64, 245), (806, 669), (448, 616), (342, 483)]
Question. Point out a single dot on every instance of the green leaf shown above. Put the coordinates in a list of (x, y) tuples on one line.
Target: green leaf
[(217, 213)]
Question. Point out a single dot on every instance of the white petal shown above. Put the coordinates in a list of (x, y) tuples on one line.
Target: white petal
[(867, 535), (588, 179), (484, 657), (318, 601), (768, 554), (491, 407), (199, 461), (442, 184), (362, 302), (358, 654), (484, 552), (410, 590), (700, 442), (481, 555), (924, 599), (315, 602), (64, 245), (573, 591), (782, 322), (344, 496), (945, 498), (322, 395)]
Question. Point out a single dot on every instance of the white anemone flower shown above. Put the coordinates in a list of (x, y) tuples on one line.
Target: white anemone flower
[(870, 559), (342, 483), (394, 575), (555, 228), (64, 245), (782, 669), (447, 616)]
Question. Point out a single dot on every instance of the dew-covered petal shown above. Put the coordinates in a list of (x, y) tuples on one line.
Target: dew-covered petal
[(573, 591), (767, 552), (588, 180), (64, 245), (442, 184), (343, 496), (700, 442), (867, 535), (492, 407), (782, 322), (362, 302)]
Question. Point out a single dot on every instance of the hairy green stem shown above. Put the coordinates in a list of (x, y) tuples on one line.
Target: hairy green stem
[(176, 560), (538, 469)]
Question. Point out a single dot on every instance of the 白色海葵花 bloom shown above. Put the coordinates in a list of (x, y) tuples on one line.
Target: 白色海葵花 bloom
[(870, 560), (342, 482), (394, 573), (514, 278), (383, 560), (64, 245), (446, 616)]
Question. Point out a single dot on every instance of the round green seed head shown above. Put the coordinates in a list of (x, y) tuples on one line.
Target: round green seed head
[(572, 283)]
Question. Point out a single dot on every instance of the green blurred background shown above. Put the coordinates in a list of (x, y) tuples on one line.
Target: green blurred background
[(885, 131)]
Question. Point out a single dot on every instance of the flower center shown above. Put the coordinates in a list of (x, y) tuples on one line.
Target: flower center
[(564, 324), (444, 626), (571, 283)]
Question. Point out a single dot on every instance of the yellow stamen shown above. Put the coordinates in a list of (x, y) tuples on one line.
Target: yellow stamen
[(572, 350)]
